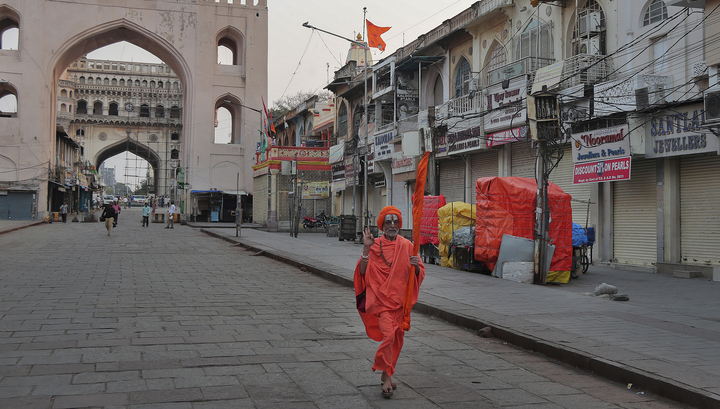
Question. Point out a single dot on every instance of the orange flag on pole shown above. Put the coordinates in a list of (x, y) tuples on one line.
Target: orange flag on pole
[(373, 34), (418, 199)]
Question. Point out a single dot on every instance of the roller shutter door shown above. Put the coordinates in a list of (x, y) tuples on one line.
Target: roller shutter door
[(562, 176), (482, 165), (699, 219), (452, 179), (635, 215), (523, 160), (17, 205)]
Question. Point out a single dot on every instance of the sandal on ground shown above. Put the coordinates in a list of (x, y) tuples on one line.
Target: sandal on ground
[(386, 394)]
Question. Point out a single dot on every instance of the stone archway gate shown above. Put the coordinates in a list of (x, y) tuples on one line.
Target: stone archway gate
[(184, 34)]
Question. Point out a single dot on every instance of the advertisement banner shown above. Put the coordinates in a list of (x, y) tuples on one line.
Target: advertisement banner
[(316, 190), (602, 171), (678, 132), (511, 135), (506, 107), (601, 144)]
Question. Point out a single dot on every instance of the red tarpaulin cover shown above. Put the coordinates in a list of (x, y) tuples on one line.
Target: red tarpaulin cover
[(506, 205), (430, 219)]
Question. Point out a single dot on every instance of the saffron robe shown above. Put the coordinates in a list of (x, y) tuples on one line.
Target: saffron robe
[(384, 288)]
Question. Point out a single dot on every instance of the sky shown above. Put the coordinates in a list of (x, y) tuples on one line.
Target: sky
[(301, 59)]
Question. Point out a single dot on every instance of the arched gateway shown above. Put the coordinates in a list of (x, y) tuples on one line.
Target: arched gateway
[(185, 35)]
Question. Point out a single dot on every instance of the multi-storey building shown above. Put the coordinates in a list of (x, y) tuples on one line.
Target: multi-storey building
[(627, 72)]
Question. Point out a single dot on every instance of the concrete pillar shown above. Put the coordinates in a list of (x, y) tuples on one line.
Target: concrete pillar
[(604, 235), (669, 210), (272, 219)]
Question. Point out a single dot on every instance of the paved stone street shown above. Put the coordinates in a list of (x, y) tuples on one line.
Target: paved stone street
[(159, 318)]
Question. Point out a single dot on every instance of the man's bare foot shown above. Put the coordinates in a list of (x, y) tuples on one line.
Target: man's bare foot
[(387, 383)]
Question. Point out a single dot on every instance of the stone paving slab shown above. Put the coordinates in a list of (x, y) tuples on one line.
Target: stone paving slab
[(665, 339), (175, 319)]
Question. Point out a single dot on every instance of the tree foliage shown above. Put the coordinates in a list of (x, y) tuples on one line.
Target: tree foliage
[(289, 102)]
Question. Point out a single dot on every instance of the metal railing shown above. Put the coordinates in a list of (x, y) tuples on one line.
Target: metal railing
[(587, 69)]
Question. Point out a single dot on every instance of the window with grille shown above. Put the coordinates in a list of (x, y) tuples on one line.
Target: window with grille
[(438, 91), (535, 41), (342, 120), (655, 13), (462, 76)]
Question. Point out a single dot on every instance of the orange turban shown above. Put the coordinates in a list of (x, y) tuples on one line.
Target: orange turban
[(386, 211)]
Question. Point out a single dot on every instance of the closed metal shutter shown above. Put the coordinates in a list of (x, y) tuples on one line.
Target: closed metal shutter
[(17, 206), (483, 164), (699, 219), (562, 176), (452, 179), (635, 215), (523, 160)]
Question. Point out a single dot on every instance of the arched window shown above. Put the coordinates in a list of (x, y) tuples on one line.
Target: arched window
[(176, 85), (655, 13), (152, 84), (462, 76), (90, 80), (97, 108), (159, 111), (144, 111), (98, 80), (63, 108), (63, 93), (122, 82), (81, 80), (113, 109), (438, 92), (106, 81), (70, 94), (9, 29), (174, 154), (160, 84), (498, 58), (358, 119), (223, 125), (535, 41), (175, 112), (114, 81), (81, 108), (229, 47), (144, 84), (342, 120), (137, 83)]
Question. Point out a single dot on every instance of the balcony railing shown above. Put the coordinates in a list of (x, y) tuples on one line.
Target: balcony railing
[(527, 65), (466, 104), (587, 69)]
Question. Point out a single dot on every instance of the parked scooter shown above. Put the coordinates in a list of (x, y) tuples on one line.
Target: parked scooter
[(312, 222)]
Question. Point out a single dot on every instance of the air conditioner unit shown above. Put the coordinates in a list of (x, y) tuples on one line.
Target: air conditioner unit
[(591, 22), (712, 105), (589, 46), (650, 96)]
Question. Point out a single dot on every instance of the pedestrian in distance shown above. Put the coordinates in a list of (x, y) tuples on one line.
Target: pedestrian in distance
[(171, 216), (125, 201), (109, 216), (117, 208), (146, 214), (64, 211), (381, 280)]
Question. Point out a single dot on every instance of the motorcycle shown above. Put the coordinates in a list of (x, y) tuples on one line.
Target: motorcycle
[(312, 222)]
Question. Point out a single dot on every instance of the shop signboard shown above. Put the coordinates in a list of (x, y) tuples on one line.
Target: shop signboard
[(510, 135), (338, 170), (610, 170), (678, 132), (601, 144), (383, 145), (505, 106), (316, 190), (403, 164)]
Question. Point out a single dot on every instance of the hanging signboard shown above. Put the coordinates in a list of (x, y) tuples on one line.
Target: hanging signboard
[(383, 146), (506, 107), (601, 144), (602, 171), (511, 135)]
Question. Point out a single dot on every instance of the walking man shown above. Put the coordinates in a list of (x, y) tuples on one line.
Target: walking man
[(146, 214), (108, 215), (382, 275), (64, 211), (171, 216)]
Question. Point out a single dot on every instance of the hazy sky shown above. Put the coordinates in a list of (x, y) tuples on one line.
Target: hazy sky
[(300, 59)]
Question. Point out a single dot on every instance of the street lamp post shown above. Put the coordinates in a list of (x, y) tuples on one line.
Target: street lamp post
[(365, 102)]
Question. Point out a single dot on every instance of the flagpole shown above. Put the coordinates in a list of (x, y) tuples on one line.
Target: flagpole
[(367, 147)]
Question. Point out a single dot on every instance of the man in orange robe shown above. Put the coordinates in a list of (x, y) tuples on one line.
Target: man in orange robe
[(382, 273)]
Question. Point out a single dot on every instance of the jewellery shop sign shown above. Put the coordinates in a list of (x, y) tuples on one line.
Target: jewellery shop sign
[(601, 155), (678, 132)]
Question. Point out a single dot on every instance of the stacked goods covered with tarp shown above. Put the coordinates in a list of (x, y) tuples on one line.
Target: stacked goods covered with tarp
[(430, 219), (453, 216), (506, 205)]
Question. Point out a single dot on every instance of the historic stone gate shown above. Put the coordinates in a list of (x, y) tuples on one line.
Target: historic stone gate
[(184, 34)]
